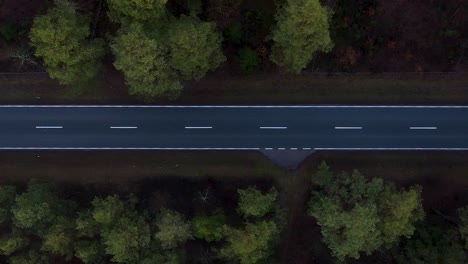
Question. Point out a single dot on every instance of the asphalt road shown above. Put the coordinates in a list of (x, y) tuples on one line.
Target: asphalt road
[(234, 127)]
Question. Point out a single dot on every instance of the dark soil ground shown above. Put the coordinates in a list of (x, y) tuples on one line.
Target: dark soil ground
[(441, 174)]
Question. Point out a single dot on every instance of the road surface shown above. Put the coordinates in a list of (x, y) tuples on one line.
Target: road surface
[(234, 127)]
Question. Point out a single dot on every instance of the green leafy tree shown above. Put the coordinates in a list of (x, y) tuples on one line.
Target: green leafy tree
[(86, 226), (145, 63), (195, 47), (249, 60), (7, 200), (105, 212), (432, 245), (173, 229), (30, 257), (9, 243), (89, 251), (398, 212), (250, 245), (142, 11), (38, 207), (463, 224), (209, 228), (59, 238), (126, 240), (302, 29), (61, 39), (253, 203), (359, 215), (163, 256)]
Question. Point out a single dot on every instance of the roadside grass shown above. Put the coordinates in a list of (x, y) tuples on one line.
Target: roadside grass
[(122, 168), (410, 88), (339, 89)]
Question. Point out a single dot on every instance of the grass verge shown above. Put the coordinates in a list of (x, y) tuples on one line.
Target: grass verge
[(258, 89)]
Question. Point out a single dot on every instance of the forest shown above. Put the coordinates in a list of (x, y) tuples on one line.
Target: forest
[(215, 220), (158, 48)]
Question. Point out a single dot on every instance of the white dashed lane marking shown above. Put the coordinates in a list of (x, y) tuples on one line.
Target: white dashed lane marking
[(49, 127), (423, 128)]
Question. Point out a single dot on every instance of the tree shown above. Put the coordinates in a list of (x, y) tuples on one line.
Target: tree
[(105, 211), (432, 245), (209, 228), (89, 251), (30, 257), (167, 257), (145, 63), (127, 239), (195, 47), (398, 212), (173, 229), (59, 238), (302, 29), (86, 226), (463, 224), (61, 38), (253, 203), (7, 200), (250, 245), (38, 207), (142, 11), (9, 243), (360, 215)]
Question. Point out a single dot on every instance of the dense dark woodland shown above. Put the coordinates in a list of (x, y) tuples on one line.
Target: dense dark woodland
[(350, 217), (366, 36), (218, 220), (369, 35)]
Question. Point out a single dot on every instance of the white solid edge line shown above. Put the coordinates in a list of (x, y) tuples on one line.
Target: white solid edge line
[(456, 149), (150, 148), (348, 128), (49, 127), (273, 127), (118, 148), (237, 106), (190, 127), (123, 127), (423, 128)]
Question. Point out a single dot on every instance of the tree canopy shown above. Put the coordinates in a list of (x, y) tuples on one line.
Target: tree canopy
[(13, 241), (255, 204), (142, 11), (155, 60), (360, 215), (432, 244), (59, 238), (209, 228), (250, 244), (463, 224), (195, 47), (145, 63), (302, 29), (61, 39), (173, 229), (37, 207), (127, 239), (7, 200)]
